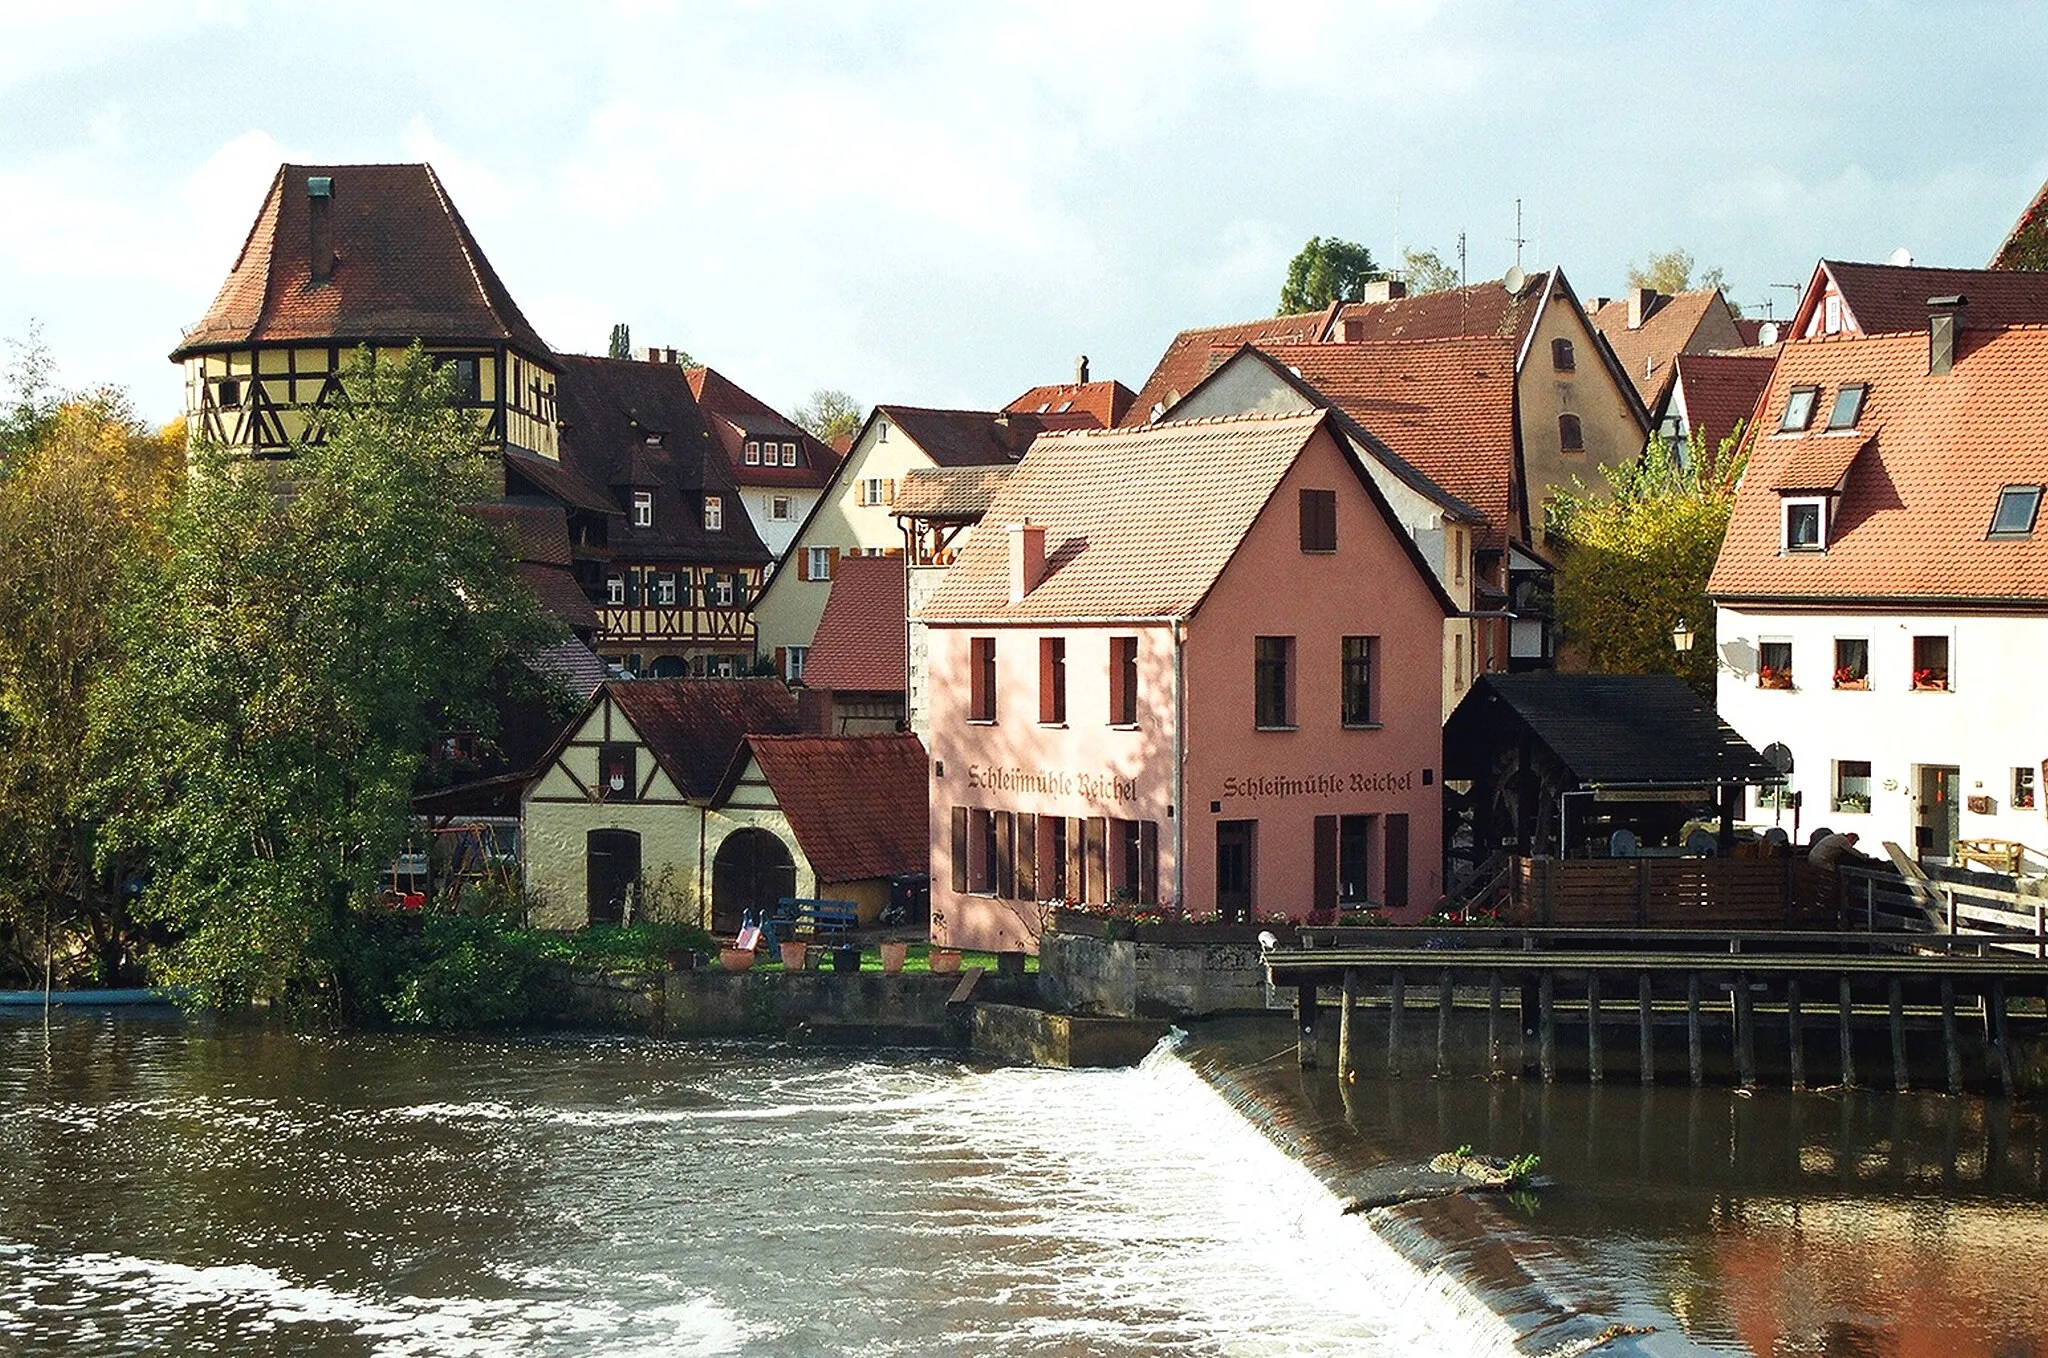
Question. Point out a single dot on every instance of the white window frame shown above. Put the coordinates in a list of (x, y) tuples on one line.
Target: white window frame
[(643, 509), (721, 591), (793, 659), (714, 514), (817, 563), (615, 590), (753, 453), (779, 508), (789, 454), (1819, 504), (665, 589)]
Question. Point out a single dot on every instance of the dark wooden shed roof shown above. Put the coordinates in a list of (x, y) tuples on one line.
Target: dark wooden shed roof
[(1609, 730)]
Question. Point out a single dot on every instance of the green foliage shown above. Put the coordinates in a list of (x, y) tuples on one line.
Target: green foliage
[(29, 398), (1424, 271), (827, 414), (463, 972), (621, 342), (642, 946), (2027, 249), (1671, 272), (1636, 560), (1327, 271), (287, 663)]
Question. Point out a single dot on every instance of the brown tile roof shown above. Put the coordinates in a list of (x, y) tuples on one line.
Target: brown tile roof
[(574, 665), (1890, 298), (857, 804), (1139, 521), (527, 474), (1686, 322), (1750, 330), (860, 639), (963, 438), (737, 415), (1721, 392), (405, 268), (1194, 353), (1446, 407), (610, 409), (1913, 518), (1108, 402), (1476, 309), (948, 492), (694, 727), (539, 532)]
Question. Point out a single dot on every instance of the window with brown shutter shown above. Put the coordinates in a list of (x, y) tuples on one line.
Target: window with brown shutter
[(1096, 833), (960, 849), (1325, 898), (1027, 856), (1148, 862), (982, 676), (1319, 520), (1570, 437), (1006, 855)]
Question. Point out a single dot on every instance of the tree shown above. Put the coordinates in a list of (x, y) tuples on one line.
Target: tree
[(1425, 271), (1636, 561), (1671, 273), (28, 409), (826, 414), (287, 664), (1327, 271), (622, 341)]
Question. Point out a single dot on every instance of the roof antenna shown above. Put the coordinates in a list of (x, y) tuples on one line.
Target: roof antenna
[(1518, 238)]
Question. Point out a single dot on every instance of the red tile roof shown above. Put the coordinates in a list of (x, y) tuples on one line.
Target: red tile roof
[(1888, 299), (1139, 522), (405, 267), (1108, 402), (858, 805), (1721, 392), (737, 415), (1446, 407), (1194, 353), (859, 646), (1476, 309), (956, 493), (694, 727), (1932, 454), (1683, 323)]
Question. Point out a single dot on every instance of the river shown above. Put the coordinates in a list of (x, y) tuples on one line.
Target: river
[(173, 1188)]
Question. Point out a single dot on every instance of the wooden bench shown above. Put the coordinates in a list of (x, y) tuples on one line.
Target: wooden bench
[(824, 920)]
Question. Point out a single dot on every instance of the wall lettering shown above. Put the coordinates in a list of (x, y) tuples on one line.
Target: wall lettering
[(1336, 783)]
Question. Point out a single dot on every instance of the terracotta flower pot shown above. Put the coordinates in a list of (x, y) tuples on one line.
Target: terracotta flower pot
[(945, 961), (793, 956), (736, 959), (893, 957)]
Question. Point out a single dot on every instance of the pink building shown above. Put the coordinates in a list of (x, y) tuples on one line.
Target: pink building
[(1191, 663)]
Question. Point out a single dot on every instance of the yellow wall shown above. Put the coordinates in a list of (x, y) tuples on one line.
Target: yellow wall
[(1612, 433)]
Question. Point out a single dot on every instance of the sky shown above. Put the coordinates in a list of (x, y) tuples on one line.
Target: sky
[(946, 203)]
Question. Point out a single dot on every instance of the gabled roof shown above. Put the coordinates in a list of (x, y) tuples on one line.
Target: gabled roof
[(962, 438), (630, 425), (539, 534), (405, 267), (1108, 402), (1139, 522), (694, 727), (1680, 323), (1923, 473), (1194, 353), (960, 494), (858, 805), (2026, 245), (1444, 407), (1886, 299), (1607, 729), (1486, 308), (737, 415), (1721, 392), (859, 645)]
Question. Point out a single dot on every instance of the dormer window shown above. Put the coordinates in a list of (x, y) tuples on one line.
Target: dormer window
[(789, 454), (1561, 355), (714, 513), (2018, 506), (1848, 406), (753, 454), (1798, 410), (1806, 525), (643, 509)]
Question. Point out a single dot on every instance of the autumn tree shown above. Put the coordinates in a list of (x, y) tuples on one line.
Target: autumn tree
[(826, 414), (1671, 273), (311, 626), (1635, 561), (1424, 271), (1327, 271)]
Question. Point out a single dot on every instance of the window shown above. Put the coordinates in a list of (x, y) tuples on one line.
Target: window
[(1774, 664), (1852, 785), (1848, 406), (1319, 521), (753, 453), (1052, 681), (881, 431), (643, 509), (1930, 664), (227, 392), (1570, 437), (1123, 681), (615, 589), (615, 772), (1273, 683), (789, 454), (718, 591), (1561, 356), (1053, 852), (817, 563), (1136, 844), (1798, 410), (982, 701), (2017, 507), (1354, 858), (1358, 653), (1852, 662), (877, 490), (463, 374), (1458, 663), (1831, 312), (778, 508), (1805, 525), (714, 513), (2023, 789), (793, 658), (665, 589)]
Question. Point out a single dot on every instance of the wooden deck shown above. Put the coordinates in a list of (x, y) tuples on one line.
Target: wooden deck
[(1669, 893)]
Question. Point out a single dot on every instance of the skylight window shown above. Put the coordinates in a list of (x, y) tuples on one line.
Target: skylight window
[(2017, 508), (1798, 410), (1848, 406)]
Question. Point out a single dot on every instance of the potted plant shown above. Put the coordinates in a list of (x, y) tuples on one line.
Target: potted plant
[(1847, 677), (793, 955), (895, 953), (944, 961), (1770, 676), (735, 959)]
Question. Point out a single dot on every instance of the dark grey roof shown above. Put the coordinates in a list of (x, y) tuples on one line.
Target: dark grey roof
[(1607, 729)]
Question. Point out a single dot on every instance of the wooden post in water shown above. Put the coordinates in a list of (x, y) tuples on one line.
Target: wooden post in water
[(1443, 1022), (1745, 1032), (1792, 1030), (1547, 1021), (1848, 1035), (1493, 1023), (1397, 1001), (2001, 1056), (1951, 1052), (1305, 1011), (1595, 1070), (1692, 1026), (1344, 1008), (1646, 1053), (1900, 1080)]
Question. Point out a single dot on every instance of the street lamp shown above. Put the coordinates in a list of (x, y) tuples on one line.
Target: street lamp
[(1681, 637)]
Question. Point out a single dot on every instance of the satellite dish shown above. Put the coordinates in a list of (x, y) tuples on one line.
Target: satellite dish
[(1900, 258), (1515, 280), (1779, 755)]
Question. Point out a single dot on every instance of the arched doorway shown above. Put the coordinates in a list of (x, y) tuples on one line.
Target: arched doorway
[(752, 871), (612, 865)]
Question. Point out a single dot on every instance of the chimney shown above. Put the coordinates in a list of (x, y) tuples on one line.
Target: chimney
[(653, 353), (1081, 371), (1641, 302), (1944, 319), (1384, 290), (320, 228), (1027, 558), (1354, 329)]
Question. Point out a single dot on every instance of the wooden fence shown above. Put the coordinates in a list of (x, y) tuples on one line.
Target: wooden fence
[(1670, 893)]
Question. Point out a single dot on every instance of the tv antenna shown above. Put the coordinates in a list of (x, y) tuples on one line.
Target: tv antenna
[(1518, 239)]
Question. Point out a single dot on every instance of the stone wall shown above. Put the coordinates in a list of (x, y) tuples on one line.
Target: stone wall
[(1156, 977)]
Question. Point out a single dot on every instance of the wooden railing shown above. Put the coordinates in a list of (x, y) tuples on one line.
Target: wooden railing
[(1909, 901), (1669, 893)]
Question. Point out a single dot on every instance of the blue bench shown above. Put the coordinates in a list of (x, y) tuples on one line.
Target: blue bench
[(823, 920)]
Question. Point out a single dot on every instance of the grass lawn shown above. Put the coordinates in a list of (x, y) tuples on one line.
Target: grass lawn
[(918, 960)]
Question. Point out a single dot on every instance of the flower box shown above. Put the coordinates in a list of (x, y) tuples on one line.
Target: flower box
[(1853, 801)]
